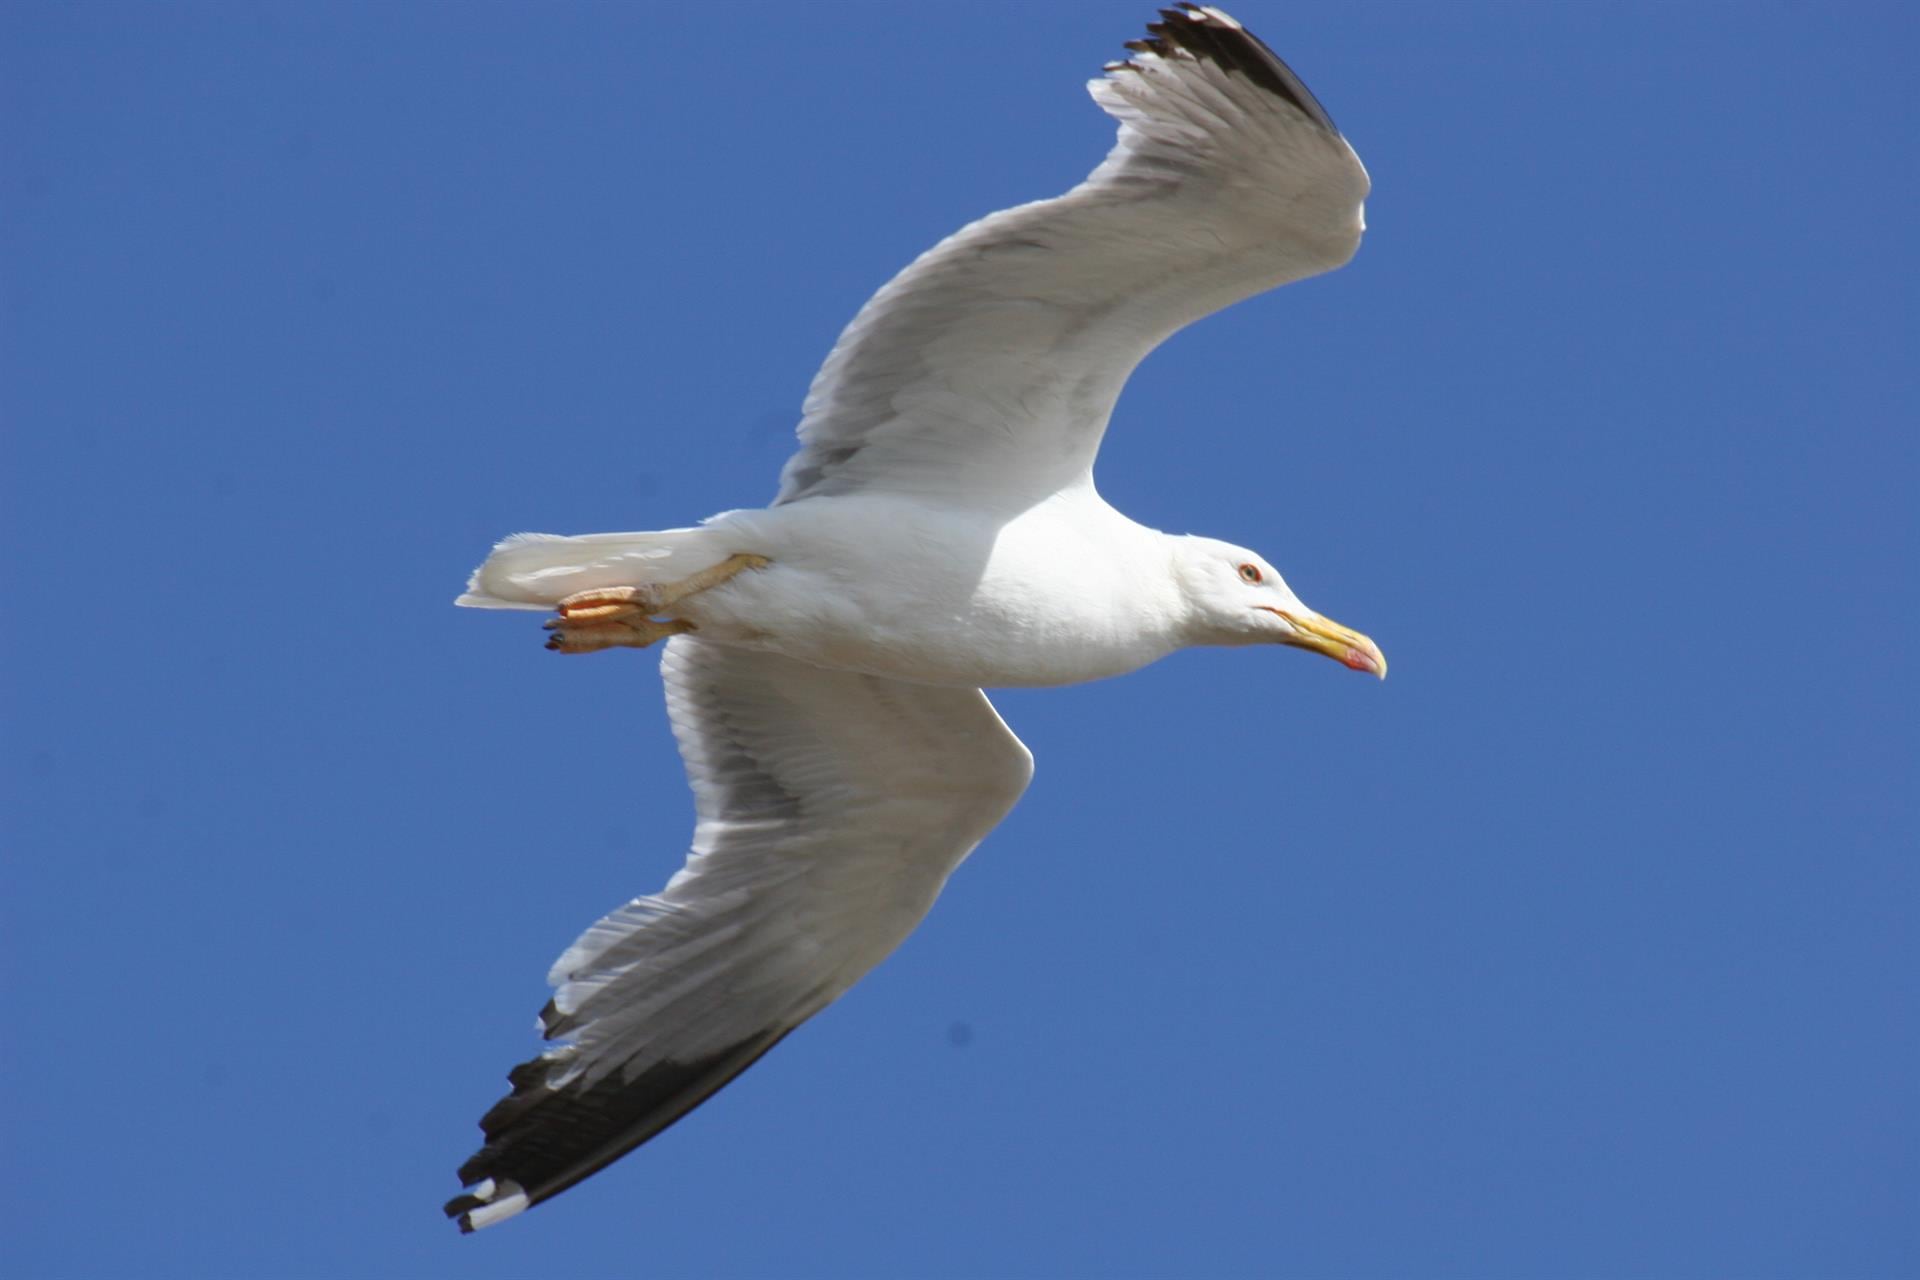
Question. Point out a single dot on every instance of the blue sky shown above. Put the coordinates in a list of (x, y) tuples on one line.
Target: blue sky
[(1584, 945)]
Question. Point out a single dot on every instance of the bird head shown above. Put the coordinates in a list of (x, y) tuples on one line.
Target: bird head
[(1235, 597)]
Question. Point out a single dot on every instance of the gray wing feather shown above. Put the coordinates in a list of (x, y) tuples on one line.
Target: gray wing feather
[(831, 809), (989, 367)]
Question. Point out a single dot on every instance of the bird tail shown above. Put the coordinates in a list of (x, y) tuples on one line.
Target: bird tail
[(536, 570)]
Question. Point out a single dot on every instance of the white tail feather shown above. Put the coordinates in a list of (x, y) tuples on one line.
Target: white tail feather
[(537, 570)]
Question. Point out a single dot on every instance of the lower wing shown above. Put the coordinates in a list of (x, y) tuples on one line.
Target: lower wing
[(831, 809)]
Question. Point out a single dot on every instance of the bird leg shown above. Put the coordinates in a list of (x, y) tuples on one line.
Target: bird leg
[(608, 617), (591, 637)]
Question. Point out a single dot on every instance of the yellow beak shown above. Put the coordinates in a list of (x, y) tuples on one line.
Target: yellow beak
[(1324, 635)]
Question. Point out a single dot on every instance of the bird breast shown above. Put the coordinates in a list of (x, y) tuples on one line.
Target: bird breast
[(936, 595)]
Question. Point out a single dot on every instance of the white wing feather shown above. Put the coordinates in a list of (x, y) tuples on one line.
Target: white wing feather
[(831, 809), (988, 368)]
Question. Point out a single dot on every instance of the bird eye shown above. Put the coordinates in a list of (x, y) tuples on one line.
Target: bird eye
[(1250, 573)]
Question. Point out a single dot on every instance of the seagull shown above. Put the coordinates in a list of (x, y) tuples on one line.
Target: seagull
[(937, 531)]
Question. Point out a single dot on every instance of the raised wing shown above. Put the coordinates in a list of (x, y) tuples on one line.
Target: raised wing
[(831, 809), (988, 368)]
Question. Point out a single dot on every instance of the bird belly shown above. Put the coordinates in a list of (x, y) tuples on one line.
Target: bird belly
[(922, 641), (934, 602)]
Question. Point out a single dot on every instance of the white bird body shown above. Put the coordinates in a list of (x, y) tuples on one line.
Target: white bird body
[(937, 532), (931, 592)]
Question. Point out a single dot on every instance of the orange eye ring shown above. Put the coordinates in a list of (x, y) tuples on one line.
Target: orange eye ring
[(1250, 573)]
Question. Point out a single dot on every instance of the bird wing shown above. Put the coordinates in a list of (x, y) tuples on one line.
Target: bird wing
[(988, 368), (831, 807)]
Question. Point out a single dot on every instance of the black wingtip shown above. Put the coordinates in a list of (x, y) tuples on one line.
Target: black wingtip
[(459, 1207), (540, 1140), (1211, 36), (490, 1202)]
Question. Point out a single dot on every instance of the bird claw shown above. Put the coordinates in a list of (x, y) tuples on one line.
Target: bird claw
[(631, 633), (612, 617)]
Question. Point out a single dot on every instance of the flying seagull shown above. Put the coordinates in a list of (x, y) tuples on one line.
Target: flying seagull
[(937, 531)]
